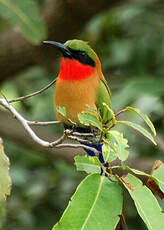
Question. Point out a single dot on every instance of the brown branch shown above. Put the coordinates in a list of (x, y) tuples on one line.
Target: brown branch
[(32, 94), (65, 19)]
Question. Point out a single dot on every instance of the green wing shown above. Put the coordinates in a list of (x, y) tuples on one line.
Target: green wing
[(104, 95)]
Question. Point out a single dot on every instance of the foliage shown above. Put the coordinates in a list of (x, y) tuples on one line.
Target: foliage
[(91, 204), (89, 119), (81, 212), (145, 202), (5, 181)]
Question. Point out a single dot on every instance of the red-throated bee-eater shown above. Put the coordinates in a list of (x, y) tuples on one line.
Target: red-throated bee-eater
[(80, 82)]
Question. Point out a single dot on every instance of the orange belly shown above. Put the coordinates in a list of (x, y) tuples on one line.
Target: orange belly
[(75, 96)]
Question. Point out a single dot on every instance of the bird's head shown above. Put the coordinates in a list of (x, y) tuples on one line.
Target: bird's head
[(78, 59)]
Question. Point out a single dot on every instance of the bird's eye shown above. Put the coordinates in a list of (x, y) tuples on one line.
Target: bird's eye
[(83, 53)]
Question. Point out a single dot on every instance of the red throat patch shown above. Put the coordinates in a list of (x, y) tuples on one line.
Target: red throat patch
[(73, 70)]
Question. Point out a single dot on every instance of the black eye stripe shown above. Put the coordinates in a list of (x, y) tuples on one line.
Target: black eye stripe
[(83, 53), (82, 57)]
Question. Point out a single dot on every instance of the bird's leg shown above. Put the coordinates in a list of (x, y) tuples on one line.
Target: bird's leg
[(96, 142), (109, 167), (69, 129)]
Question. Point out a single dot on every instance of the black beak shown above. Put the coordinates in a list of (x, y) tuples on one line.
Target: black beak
[(64, 50)]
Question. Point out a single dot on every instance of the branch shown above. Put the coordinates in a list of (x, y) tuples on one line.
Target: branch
[(24, 123), (32, 94), (83, 134), (17, 54), (57, 143), (43, 123), (77, 146), (12, 130), (75, 138)]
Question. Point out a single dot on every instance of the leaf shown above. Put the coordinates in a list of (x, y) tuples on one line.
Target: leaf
[(5, 181), (137, 172), (93, 110), (25, 15), (96, 204), (155, 179), (61, 110), (89, 119), (109, 152), (87, 164), (145, 202), (138, 128), (144, 117), (121, 145), (111, 111), (158, 174)]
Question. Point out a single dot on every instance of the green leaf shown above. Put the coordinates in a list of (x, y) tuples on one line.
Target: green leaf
[(137, 172), (96, 204), (62, 110), (25, 15), (145, 202), (158, 174), (87, 164), (5, 181), (121, 145), (138, 128), (144, 117), (89, 119), (111, 112), (93, 110), (109, 151)]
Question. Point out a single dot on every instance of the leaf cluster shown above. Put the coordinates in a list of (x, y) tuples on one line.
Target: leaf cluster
[(98, 199)]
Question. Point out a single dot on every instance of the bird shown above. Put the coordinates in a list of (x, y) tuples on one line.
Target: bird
[(81, 85)]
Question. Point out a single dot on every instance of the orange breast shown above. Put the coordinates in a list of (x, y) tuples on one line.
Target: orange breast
[(75, 96)]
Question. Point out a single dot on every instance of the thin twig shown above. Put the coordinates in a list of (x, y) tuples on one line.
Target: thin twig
[(83, 134), (43, 123), (119, 112), (74, 138), (116, 115), (77, 146), (59, 141), (72, 122), (32, 94)]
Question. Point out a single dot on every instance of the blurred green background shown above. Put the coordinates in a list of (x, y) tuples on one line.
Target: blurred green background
[(129, 39)]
